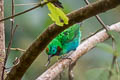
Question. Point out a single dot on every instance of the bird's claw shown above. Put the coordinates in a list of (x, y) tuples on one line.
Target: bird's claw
[(66, 56), (46, 65), (49, 57)]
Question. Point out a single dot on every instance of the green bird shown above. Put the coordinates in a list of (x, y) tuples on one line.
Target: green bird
[(65, 42)]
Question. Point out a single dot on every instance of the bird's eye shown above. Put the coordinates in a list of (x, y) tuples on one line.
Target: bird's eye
[(53, 50)]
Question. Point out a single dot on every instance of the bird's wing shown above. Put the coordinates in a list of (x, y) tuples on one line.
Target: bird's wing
[(69, 34)]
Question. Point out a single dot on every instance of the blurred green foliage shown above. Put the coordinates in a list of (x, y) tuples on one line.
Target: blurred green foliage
[(32, 24), (57, 14)]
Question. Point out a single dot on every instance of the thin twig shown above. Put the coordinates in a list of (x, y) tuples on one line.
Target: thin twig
[(98, 18), (8, 50), (17, 49), (39, 5), (11, 38), (113, 60), (28, 4), (112, 66)]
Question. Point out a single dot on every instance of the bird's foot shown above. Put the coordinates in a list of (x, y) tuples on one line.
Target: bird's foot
[(46, 65), (66, 56), (49, 57)]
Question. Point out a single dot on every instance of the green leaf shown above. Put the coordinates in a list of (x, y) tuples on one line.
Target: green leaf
[(57, 15), (105, 47), (97, 74), (116, 36)]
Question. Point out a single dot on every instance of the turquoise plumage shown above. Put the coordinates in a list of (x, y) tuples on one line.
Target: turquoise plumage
[(65, 42)]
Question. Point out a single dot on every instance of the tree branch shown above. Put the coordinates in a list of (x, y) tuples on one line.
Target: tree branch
[(2, 38), (53, 30), (82, 49)]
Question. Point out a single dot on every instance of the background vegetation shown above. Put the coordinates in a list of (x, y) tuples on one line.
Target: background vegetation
[(32, 24)]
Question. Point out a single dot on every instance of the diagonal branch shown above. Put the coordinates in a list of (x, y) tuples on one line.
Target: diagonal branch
[(82, 49), (53, 30)]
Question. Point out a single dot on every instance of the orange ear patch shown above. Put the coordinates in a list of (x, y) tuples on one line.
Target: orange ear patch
[(59, 48), (47, 50)]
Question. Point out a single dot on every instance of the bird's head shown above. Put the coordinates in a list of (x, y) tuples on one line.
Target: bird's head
[(53, 49)]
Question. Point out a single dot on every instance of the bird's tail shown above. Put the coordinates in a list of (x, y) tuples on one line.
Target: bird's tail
[(77, 26)]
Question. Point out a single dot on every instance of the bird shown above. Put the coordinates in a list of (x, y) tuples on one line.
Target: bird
[(66, 41)]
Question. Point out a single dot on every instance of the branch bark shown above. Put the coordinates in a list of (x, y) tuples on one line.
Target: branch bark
[(2, 38), (53, 30), (82, 49)]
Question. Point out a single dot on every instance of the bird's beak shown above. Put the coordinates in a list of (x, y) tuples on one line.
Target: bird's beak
[(49, 57)]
